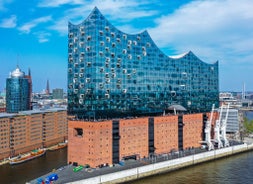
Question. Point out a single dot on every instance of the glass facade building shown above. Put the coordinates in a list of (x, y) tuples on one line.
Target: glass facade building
[(114, 74), (18, 87)]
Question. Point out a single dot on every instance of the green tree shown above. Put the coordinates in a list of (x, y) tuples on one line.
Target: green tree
[(248, 125)]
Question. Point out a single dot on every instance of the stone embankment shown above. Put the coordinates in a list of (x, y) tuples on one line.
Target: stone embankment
[(166, 166)]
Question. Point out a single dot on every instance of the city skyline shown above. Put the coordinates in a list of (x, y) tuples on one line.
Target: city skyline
[(37, 39)]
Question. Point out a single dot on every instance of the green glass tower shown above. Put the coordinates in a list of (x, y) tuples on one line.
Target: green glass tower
[(18, 90)]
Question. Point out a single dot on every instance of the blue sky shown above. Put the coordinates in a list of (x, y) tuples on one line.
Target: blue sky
[(34, 34)]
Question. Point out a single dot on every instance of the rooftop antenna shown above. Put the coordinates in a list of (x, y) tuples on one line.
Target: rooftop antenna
[(17, 60)]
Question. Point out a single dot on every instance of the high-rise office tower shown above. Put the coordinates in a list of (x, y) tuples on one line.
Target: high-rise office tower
[(115, 74), (18, 88)]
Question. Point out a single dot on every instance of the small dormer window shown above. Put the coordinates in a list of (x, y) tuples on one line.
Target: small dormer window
[(87, 80), (71, 35), (70, 45), (113, 75), (81, 44), (88, 38), (88, 48), (107, 80), (101, 70), (88, 64)]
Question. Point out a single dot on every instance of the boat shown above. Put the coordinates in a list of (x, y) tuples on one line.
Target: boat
[(58, 146), (26, 157)]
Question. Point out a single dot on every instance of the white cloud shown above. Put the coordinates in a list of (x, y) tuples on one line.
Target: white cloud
[(129, 29), (57, 3), (26, 28), (3, 3), (220, 27), (125, 10), (60, 26), (42, 36), (10, 22), (116, 9)]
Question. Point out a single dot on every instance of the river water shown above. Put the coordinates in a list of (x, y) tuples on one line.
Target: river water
[(27, 171), (232, 170), (249, 115)]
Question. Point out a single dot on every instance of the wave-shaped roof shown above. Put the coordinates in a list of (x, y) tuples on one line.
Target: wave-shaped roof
[(96, 12)]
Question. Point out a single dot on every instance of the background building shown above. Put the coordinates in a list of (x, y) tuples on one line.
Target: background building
[(57, 93), (27, 130), (18, 92), (114, 74)]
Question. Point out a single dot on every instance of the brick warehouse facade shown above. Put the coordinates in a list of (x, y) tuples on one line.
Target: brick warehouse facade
[(27, 130), (96, 143)]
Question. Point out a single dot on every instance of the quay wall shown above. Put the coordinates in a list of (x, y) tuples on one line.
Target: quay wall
[(165, 166)]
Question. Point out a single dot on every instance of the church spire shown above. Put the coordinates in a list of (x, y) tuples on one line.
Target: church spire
[(47, 88)]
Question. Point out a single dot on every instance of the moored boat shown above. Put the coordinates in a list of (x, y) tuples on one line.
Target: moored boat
[(58, 146), (24, 158)]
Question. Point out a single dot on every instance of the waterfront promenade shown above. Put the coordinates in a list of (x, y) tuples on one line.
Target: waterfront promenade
[(155, 164)]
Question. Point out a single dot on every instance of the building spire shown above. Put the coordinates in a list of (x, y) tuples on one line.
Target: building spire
[(47, 88), (29, 72)]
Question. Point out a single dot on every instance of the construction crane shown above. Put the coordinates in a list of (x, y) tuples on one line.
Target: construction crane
[(223, 129), (217, 130), (208, 131)]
